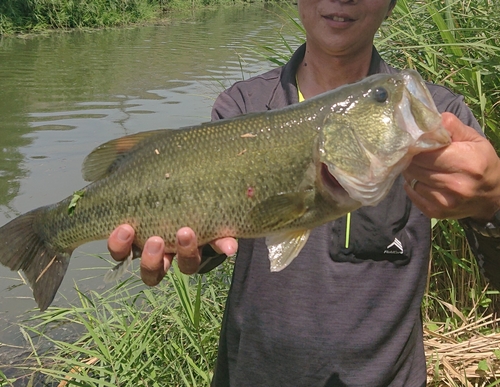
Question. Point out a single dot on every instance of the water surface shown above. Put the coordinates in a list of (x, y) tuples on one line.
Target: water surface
[(63, 94)]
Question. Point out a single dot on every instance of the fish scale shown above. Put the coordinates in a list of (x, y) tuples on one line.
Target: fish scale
[(276, 174)]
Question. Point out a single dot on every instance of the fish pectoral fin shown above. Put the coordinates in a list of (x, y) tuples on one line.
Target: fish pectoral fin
[(283, 248), (106, 158), (280, 210)]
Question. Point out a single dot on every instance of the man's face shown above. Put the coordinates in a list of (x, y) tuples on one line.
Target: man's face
[(340, 27)]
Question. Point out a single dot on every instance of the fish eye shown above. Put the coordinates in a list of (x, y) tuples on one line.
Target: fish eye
[(380, 94)]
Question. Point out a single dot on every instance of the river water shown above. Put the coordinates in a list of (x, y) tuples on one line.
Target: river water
[(65, 93)]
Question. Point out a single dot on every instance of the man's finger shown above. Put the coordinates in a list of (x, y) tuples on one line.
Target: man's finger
[(120, 242), (227, 246), (458, 130), (188, 253), (153, 266)]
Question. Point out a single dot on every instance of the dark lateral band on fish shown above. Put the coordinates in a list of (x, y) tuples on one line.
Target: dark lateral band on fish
[(303, 166)]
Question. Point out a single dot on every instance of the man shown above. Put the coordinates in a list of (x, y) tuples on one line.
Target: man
[(346, 312)]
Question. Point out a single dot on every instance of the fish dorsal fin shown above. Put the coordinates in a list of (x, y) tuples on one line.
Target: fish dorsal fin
[(284, 247), (277, 211), (106, 158)]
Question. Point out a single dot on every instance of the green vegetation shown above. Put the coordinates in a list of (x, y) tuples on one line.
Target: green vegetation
[(22, 16), (161, 336), (168, 335), (37, 15)]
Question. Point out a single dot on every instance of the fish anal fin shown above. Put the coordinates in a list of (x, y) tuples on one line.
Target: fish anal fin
[(106, 158), (284, 247)]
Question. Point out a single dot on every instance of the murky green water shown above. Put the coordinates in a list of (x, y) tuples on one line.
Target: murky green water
[(62, 95)]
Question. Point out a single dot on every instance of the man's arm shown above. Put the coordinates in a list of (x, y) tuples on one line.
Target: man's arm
[(461, 181)]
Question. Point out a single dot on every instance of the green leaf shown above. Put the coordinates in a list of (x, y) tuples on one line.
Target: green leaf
[(77, 195), (483, 366), (432, 327)]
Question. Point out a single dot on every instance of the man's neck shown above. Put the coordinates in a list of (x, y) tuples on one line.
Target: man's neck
[(320, 72)]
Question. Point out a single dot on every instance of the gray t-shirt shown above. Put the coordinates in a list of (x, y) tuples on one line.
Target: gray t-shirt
[(337, 316)]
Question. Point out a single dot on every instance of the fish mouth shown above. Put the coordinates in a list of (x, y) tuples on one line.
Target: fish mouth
[(330, 182), (418, 107)]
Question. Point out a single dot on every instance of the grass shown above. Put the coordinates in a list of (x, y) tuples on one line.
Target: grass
[(168, 335), (26, 16), (162, 336), (38, 15)]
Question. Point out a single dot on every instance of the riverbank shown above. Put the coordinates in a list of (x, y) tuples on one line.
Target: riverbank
[(35, 16)]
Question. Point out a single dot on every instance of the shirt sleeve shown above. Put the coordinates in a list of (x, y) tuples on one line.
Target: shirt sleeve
[(447, 101), (227, 106), (486, 250)]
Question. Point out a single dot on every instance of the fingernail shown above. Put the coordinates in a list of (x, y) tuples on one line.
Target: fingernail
[(123, 234), (184, 239), (153, 247)]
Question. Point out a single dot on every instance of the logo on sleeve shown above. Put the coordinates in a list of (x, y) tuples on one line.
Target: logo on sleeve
[(395, 247)]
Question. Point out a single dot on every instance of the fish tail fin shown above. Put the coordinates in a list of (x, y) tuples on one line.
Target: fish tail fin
[(22, 247)]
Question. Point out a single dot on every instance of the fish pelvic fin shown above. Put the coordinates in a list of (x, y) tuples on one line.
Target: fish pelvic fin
[(284, 247), (120, 268), (23, 248)]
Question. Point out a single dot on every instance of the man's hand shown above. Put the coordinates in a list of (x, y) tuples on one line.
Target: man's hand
[(458, 181), (155, 262)]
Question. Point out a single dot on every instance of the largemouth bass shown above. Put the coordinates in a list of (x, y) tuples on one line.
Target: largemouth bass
[(276, 174)]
